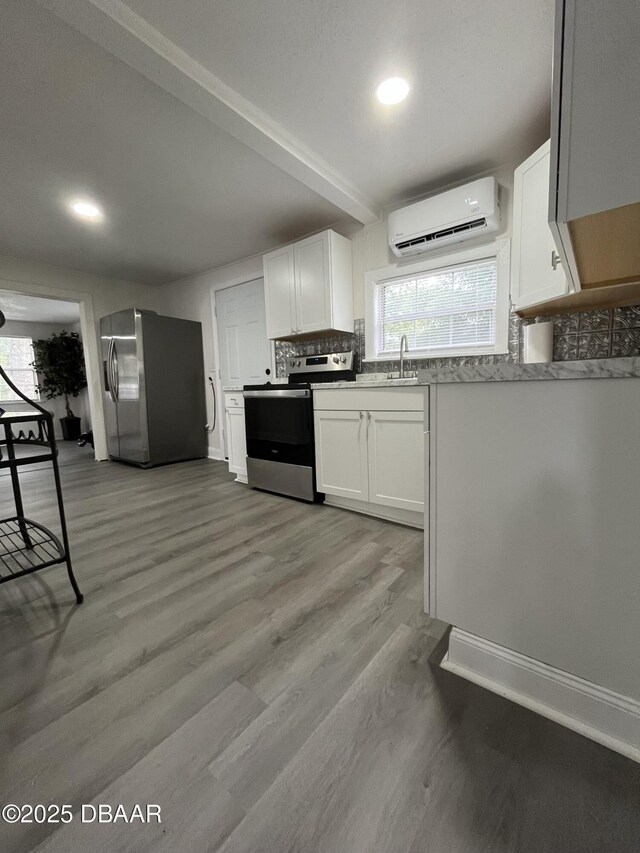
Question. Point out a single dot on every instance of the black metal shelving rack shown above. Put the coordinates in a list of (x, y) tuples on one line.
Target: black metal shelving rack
[(25, 545)]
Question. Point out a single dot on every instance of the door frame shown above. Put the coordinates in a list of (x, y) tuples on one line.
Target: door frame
[(92, 355), (221, 452)]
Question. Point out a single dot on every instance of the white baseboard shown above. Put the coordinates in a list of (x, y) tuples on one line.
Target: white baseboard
[(589, 709), (400, 516), (215, 453)]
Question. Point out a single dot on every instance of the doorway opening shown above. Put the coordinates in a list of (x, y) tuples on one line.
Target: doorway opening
[(30, 319)]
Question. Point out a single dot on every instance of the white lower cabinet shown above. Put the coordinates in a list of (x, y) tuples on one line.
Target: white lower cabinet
[(371, 459), (341, 454), (236, 436), (395, 444)]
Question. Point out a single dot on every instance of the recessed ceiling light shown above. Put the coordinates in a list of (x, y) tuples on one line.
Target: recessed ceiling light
[(392, 91), (85, 209)]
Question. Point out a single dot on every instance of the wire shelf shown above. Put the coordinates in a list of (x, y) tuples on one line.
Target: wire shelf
[(26, 546)]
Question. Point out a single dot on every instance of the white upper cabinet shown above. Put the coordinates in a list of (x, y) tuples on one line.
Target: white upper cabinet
[(309, 287), (312, 272), (536, 271), (279, 290), (594, 208)]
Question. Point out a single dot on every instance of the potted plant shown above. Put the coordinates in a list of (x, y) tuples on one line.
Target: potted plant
[(59, 363)]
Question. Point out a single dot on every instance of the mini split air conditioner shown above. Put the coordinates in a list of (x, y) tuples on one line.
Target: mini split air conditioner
[(451, 217)]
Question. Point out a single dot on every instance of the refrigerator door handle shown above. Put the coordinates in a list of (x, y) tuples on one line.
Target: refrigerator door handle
[(114, 371), (108, 373)]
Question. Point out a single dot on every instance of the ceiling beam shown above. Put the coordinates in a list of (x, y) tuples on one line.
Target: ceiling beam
[(117, 28)]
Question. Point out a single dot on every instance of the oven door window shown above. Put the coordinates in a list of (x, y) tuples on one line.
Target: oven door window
[(279, 420)]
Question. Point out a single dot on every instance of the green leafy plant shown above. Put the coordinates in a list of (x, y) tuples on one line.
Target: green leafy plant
[(59, 362)]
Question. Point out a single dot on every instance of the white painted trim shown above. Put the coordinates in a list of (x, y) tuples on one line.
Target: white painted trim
[(589, 709), (399, 516), (500, 249), (216, 453), (117, 28), (217, 380), (92, 354)]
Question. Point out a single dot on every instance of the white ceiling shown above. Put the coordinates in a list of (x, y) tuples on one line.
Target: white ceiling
[(480, 76), (214, 130), (34, 309)]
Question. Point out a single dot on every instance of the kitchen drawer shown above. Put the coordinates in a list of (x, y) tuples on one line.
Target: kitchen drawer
[(234, 400), (371, 399)]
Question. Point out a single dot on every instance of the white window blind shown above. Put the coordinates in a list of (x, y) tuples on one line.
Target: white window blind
[(16, 355), (451, 309)]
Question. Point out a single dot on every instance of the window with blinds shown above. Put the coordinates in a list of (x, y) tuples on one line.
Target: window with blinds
[(16, 356), (449, 311)]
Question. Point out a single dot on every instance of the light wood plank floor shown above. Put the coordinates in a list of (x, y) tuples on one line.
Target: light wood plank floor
[(260, 669)]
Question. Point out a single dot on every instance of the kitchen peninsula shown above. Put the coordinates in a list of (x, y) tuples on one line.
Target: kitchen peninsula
[(531, 552)]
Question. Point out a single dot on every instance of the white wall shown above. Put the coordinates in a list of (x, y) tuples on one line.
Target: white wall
[(97, 297), (190, 299), (108, 294), (370, 244)]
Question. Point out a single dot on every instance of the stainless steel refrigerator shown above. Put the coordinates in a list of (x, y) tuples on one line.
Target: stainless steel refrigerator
[(153, 388)]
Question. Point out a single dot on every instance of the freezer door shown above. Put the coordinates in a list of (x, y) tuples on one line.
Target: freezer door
[(127, 360), (110, 408), (174, 375)]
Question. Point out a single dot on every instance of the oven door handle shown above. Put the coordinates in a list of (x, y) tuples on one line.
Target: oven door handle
[(279, 392)]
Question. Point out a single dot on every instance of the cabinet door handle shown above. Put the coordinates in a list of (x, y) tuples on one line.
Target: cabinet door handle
[(555, 260), (361, 415)]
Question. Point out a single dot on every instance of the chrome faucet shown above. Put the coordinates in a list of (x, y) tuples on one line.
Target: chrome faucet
[(403, 343)]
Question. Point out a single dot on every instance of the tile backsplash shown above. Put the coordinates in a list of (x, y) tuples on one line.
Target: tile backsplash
[(597, 334), (338, 342), (588, 334)]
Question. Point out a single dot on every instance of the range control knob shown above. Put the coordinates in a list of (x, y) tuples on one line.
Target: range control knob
[(343, 359), (292, 364), (298, 363), (336, 360)]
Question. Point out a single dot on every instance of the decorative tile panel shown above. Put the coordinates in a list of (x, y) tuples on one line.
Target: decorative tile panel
[(626, 318), (594, 345), (565, 324), (565, 347), (626, 342), (593, 321)]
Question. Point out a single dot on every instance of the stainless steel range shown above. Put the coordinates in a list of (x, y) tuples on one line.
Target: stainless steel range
[(279, 425)]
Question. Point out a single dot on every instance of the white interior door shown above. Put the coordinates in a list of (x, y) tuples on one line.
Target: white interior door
[(245, 350), (396, 459)]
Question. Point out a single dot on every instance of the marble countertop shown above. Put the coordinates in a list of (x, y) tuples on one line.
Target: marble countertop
[(365, 383), (595, 368)]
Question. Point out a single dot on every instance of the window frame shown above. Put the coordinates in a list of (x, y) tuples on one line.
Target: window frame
[(8, 371), (498, 250)]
